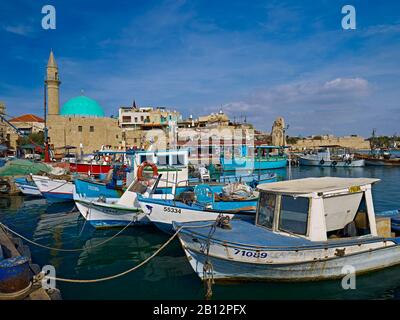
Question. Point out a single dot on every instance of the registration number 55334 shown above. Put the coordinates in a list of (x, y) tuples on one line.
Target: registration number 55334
[(172, 210)]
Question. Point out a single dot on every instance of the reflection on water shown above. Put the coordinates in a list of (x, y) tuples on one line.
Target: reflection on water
[(169, 275)]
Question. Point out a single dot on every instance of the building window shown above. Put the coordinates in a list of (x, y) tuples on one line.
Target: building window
[(80, 128), (141, 118), (91, 129), (135, 140), (116, 136), (126, 119), (136, 119)]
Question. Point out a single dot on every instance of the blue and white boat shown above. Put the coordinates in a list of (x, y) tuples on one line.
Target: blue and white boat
[(54, 190), (305, 229), (261, 158), (324, 158), (27, 186), (94, 189), (203, 206)]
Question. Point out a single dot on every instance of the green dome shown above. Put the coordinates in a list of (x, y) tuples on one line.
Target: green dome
[(82, 106)]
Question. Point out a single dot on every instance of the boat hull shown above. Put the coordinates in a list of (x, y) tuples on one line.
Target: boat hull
[(93, 169), (310, 271), (318, 261), (93, 189), (163, 215), (54, 190), (330, 163), (377, 162), (237, 165), (106, 215), (27, 188)]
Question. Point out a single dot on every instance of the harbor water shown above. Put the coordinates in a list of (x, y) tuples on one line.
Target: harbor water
[(169, 275)]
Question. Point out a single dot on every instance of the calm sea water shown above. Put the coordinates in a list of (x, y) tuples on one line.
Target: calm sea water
[(169, 275)]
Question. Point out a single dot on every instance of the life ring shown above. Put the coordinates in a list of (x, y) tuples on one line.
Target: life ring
[(141, 169), (107, 159), (322, 161), (334, 163)]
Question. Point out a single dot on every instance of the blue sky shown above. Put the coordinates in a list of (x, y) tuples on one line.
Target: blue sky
[(261, 59)]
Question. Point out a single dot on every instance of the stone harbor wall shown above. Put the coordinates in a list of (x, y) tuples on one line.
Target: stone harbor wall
[(351, 142)]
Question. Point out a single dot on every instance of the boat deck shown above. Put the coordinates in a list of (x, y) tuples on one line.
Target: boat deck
[(245, 233)]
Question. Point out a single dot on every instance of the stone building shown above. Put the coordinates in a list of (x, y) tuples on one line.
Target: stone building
[(80, 122), (27, 124), (3, 125)]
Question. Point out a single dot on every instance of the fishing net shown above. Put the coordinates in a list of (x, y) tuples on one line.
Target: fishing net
[(237, 191), (23, 167)]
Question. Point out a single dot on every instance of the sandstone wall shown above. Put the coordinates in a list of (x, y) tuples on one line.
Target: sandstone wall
[(346, 142), (91, 132)]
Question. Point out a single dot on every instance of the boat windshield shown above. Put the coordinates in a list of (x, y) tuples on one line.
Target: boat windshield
[(266, 210), (293, 215)]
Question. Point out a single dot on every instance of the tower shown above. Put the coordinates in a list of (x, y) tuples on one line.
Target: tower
[(53, 83)]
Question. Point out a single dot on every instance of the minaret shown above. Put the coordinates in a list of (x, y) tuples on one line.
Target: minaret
[(53, 83)]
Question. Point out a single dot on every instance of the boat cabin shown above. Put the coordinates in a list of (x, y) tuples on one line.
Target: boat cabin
[(168, 158), (318, 209)]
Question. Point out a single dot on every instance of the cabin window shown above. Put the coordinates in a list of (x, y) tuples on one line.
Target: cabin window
[(145, 157), (266, 210), (178, 159), (163, 160), (293, 216)]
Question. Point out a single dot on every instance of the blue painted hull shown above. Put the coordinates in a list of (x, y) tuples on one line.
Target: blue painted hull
[(58, 197), (254, 165), (103, 224), (27, 187), (93, 189)]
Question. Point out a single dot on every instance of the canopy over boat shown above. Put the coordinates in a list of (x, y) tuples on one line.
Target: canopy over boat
[(314, 185)]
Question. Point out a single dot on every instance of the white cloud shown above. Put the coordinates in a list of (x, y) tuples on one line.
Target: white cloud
[(21, 30), (304, 103)]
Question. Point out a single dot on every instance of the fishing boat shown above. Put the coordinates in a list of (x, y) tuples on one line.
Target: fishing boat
[(198, 205), (379, 157), (261, 158), (214, 175), (101, 162), (27, 186), (102, 211), (324, 158), (54, 189), (305, 229)]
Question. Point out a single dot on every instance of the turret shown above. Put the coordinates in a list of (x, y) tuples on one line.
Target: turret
[(53, 83)]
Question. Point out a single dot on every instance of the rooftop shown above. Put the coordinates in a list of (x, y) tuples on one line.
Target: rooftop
[(27, 118), (310, 185)]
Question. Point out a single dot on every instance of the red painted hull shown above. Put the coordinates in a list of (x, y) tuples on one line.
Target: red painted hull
[(92, 168)]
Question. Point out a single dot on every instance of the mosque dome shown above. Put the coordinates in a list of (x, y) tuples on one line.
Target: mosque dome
[(82, 106)]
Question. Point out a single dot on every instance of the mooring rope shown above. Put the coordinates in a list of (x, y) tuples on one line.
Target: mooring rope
[(121, 273), (66, 250)]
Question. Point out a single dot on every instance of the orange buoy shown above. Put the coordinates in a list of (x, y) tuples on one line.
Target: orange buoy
[(141, 169)]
